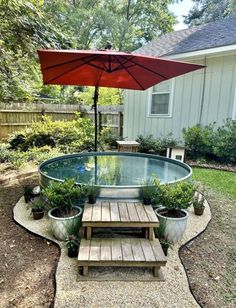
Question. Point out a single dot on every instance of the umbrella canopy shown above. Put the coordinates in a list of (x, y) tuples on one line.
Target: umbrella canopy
[(108, 68)]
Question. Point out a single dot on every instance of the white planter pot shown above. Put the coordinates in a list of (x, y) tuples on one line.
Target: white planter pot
[(61, 225), (175, 227)]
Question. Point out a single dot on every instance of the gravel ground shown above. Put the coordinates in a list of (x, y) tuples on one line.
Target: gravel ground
[(71, 292)]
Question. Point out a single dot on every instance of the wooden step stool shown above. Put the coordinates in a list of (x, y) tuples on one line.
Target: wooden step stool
[(129, 252)]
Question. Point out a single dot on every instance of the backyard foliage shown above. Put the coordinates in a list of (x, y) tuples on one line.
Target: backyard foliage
[(29, 25), (70, 136), (210, 10), (149, 144), (211, 142)]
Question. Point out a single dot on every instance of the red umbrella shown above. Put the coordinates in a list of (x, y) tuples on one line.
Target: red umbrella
[(108, 68)]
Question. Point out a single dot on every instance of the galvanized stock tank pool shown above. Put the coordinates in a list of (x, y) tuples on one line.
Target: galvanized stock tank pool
[(120, 175)]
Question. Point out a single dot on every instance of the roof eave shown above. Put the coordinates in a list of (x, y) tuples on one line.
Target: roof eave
[(204, 52)]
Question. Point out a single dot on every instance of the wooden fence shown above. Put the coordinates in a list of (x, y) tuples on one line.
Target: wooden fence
[(12, 120)]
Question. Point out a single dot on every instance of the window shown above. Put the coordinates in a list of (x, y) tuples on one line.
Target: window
[(160, 99)]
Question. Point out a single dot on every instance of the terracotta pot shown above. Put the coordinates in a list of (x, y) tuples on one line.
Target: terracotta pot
[(73, 252), (28, 197), (165, 248), (147, 201), (38, 214), (92, 199), (198, 211)]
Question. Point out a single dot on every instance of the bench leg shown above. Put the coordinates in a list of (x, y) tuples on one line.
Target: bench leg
[(85, 270), (89, 233), (156, 271), (151, 234)]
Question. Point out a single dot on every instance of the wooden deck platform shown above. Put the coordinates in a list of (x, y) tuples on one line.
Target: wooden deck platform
[(121, 252), (119, 214)]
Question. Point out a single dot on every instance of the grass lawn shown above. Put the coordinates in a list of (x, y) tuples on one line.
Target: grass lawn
[(210, 259), (222, 182)]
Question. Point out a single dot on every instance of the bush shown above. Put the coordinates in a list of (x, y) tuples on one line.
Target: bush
[(71, 136), (199, 140), (204, 142), (148, 144), (224, 147), (18, 158), (108, 137)]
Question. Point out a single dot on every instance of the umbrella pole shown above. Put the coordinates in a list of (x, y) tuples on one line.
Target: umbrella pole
[(95, 100)]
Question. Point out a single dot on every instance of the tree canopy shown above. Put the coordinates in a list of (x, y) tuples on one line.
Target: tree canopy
[(78, 24), (205, 11)]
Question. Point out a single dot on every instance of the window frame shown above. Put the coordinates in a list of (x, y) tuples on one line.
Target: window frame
[(171, 96)]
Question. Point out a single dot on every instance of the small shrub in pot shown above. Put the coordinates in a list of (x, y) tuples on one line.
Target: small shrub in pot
[(37, 208), (28, 193), (72, 244), (92, 192), (198, 204), (163, 239), (175, 199), (147, 192)]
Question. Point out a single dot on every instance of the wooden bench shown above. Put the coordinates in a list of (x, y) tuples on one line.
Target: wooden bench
[(119, 214), (129, 252)]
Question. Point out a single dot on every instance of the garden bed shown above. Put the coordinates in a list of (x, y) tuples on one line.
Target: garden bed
[(27, 262)]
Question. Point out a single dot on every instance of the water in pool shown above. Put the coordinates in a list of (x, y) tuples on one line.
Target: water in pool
[(114, 170)]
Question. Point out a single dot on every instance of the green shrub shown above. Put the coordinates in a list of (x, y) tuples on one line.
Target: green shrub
[(67, 136), (176, 196), (18, 158), (149, 144), (224, 147), (108, 137), (199, 140), (204, 142)]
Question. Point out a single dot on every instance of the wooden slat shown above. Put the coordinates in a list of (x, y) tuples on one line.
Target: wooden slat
[(147, 251), (124, 215), (95, 250), (116, 252), (150, 213), (133, 215), (141, 212), (137, 250), (157, 250), (127, 250), (97, 212), (105, 249), (106, 216), (84, 250), (88, 210), (115, 215)]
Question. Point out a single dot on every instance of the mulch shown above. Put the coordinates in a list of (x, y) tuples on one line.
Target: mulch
[(27, 262)]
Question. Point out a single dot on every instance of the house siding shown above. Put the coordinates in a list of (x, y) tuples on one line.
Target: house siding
[(218, 98)]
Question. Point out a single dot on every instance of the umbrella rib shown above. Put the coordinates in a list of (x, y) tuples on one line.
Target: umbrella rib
[(130, 74), (148, 69), (119, 67), (86, 62), (93, 57)]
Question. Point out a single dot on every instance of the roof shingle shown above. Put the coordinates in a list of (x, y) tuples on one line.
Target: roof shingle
[(211, 35)]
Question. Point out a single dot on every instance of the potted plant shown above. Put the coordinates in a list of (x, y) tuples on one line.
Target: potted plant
[(37, 208), (198, 204), (72, 244), (63, 199), (164, 241), (175, 199), (147, 192), (92, 192), (28, 193)]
